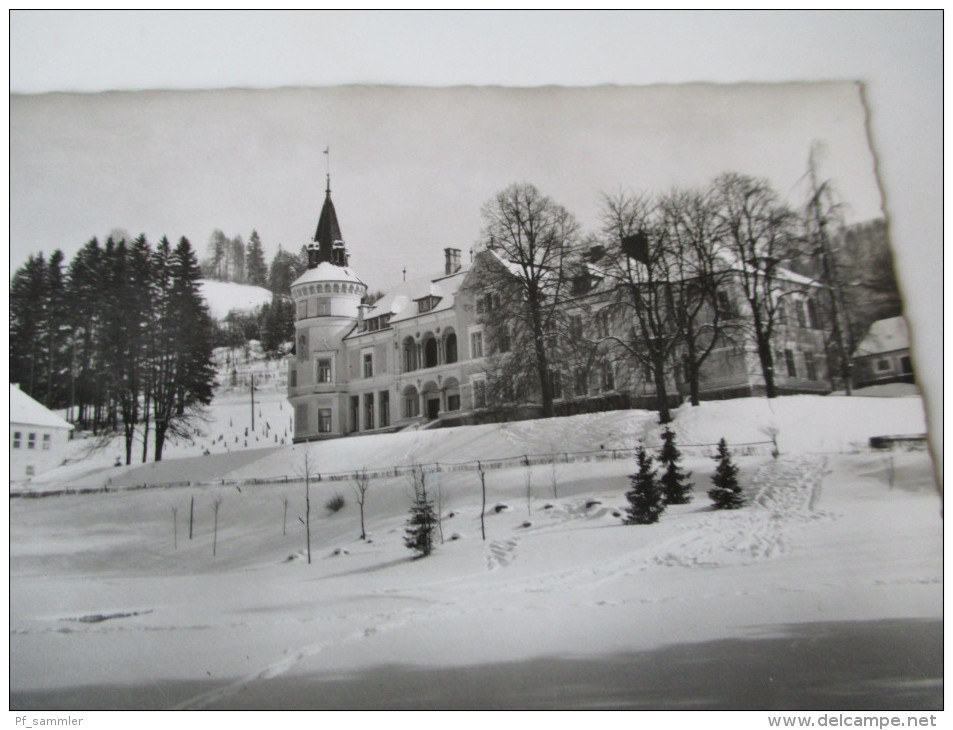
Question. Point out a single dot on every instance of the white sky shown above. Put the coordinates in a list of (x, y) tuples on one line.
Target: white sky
[(408, 182), (411, 167)]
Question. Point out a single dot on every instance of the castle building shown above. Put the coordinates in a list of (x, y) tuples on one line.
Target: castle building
[(418, 356), (414, 356)]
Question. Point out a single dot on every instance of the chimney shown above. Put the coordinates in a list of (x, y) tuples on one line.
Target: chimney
[(452, 260)]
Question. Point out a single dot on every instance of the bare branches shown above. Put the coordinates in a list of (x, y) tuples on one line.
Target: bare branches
[(530, 242), (360, 484)]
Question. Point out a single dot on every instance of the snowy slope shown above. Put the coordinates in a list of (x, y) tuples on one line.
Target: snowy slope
[(825, 591), (815, 424), (224, 296)]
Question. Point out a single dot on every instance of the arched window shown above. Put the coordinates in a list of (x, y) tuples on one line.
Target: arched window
[(410, 355), (450, 347), (430, 353), (411, 402)]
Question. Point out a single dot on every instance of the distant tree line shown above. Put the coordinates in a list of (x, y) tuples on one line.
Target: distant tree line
[(121, 337), (231, 259)]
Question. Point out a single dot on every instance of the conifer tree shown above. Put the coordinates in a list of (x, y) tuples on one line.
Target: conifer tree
[(256, 271), (726, 494), (28, 295), (645, 494), (423, 519), (676, 486), (183, 372)]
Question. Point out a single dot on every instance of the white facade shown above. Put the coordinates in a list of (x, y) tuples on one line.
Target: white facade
[(407, 359), (38, 437)]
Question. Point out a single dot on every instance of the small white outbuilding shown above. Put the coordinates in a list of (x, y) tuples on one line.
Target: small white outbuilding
[(38, 436)]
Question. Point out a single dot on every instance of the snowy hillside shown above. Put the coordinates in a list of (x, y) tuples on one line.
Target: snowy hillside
[(824, 591), (224, 296), (802, 424)]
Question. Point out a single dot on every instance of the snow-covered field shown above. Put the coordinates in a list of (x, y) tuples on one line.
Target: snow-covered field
[(824, 592)]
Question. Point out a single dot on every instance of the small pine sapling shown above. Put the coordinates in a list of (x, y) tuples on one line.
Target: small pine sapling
[(423, 519), (676, 487), (726, 494), (645, 494)]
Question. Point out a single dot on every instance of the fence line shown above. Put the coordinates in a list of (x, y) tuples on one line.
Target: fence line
[(753, 448)]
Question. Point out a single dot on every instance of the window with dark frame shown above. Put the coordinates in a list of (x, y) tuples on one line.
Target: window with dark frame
[(368, 411), (383, 400), (789, 361), (810, 366), (324, 369), (476, 344), (479, 393)]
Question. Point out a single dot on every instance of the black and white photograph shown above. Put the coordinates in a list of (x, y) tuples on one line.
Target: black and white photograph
[(459, 392)]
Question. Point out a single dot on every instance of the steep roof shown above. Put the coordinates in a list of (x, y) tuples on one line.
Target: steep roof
[(26, 411), (328, 230), (885, 335)]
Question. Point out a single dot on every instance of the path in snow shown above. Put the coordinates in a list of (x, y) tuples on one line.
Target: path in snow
[(786, 493)]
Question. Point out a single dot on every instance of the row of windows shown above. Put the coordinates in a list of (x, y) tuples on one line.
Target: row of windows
[(377, 323), (790, 364), (378, 417), (430, 353), (884, 364), (803, 313), (328, 288), (312, 307), (31, 440)]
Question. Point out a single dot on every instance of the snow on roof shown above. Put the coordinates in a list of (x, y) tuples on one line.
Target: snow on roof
[(400, 301), (25, 410), (326, 271), (779, 272), (885, 335)]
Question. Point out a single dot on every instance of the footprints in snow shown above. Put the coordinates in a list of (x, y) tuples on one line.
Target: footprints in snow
[(500, 553), (786, 492)]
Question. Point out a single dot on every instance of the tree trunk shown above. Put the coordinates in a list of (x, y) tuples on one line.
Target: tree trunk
[(542, 363), (767, 366), (145, 429), (691, 366), (661, 394), (763, 341), (160, 441)]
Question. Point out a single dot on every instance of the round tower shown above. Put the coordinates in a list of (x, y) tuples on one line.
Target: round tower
[(327, 299)]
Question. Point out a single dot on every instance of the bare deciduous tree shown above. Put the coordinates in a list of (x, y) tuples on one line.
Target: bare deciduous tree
[(758, 231), (529, 241), (216, 502), (307, 467), (823, 226), (360, 485), (643, 292), (706, 315)]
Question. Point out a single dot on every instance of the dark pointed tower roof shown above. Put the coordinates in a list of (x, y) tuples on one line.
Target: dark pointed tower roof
[(328, 231)]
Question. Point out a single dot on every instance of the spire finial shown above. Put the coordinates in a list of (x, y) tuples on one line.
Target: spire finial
[(327, 151)]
